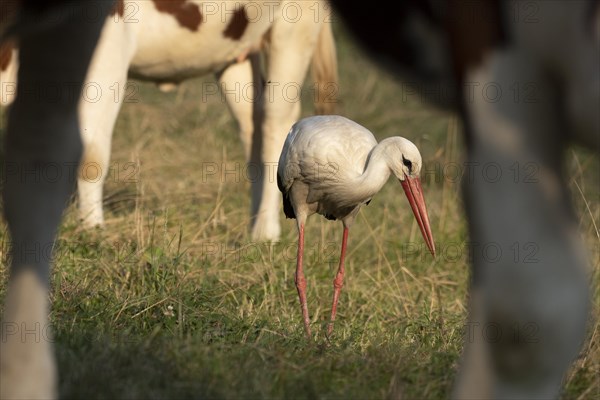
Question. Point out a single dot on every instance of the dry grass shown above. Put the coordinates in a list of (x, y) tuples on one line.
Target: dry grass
[(173, 300)]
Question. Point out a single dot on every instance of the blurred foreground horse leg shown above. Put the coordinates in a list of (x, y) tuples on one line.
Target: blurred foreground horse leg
[(545, 69), (43, 148), (535, 294)]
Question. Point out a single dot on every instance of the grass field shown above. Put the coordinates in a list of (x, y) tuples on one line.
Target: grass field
[(173, 299)]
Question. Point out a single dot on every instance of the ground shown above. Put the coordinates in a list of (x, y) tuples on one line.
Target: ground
[(173, 300)]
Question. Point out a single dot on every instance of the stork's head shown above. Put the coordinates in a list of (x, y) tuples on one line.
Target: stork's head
[(404, 158), (405, 162)]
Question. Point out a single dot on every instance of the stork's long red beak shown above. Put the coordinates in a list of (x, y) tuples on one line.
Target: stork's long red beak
[(414, 193)]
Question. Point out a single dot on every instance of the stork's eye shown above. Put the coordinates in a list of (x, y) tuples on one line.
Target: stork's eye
[(407, 163)]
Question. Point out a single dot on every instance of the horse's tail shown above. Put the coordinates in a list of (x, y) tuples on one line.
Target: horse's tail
[(324, 71), (8, 71)]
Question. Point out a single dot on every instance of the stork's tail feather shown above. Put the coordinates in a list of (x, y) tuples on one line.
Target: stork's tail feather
[(288, 209)]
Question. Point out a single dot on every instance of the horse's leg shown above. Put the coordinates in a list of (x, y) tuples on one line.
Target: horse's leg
[(241, 84), (43, 148), (104, 91), (292, 47), (529, 292)]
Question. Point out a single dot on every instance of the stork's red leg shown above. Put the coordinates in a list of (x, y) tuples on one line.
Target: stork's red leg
[(338, 282), (301, 281)]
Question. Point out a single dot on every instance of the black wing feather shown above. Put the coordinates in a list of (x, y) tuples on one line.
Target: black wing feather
[(288, 209)]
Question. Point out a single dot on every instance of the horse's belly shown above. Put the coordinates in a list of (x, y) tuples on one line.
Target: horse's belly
[(168, 49)]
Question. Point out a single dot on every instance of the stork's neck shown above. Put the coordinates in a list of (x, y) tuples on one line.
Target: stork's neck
[(376, 173)]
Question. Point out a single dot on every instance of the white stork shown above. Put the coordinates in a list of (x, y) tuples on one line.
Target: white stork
[(331, 165)]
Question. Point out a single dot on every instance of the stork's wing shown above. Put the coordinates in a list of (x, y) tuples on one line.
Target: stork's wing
[(323, 151), (287, 170)]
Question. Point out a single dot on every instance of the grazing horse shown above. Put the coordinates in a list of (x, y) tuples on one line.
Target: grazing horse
[(65, 47), (542, 61), (168, 41)]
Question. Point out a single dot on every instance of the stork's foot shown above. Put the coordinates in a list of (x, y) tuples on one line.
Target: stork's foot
[(329, 330), (307, 331), (266, 228), (27, 366), (301, 287)]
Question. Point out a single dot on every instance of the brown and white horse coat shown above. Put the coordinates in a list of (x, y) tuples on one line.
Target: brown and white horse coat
[(168, 41)]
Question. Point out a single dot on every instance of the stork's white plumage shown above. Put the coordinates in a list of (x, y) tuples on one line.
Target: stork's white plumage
[(331, 165)]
